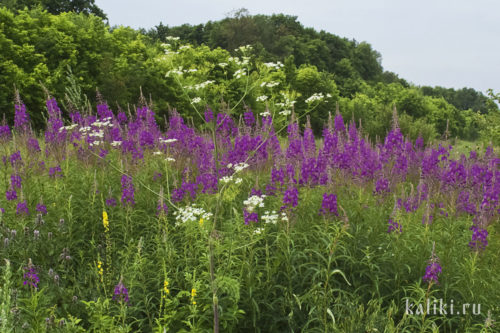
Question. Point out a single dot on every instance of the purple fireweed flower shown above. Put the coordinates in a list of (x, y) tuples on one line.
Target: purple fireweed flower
[(41, 208), (15, 158), (55, 172), (329, 205), (433, 268), (15, 181), (250, 217), (30, 276), (121, 293), (127, 190), (256, 192), (76, 117), (103, 153), (209, 115), (249, 118), (5, 132), (177, 194), (122, 117), (339, 123), (479, 238), (111, 202), (22, 208), (11, 195), (21, 118), (291, 198), (161, 209), (33, 146), (432, 271), (381, 186), (394, 226)]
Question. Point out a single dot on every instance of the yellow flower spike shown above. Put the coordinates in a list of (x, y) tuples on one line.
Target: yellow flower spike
[(105, 221), (165, 287), (201, 222), (193, 294)]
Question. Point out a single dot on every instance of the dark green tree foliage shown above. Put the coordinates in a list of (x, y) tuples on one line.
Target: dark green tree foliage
[(57, 6), (36, 49), (279, 36), (463, 99)]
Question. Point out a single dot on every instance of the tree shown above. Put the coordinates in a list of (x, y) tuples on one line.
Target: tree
[(57, 6)]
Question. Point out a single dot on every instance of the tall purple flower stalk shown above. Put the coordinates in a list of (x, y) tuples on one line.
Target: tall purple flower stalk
[(329, 205), (121, 293), (433, 268), (127, 190), (21, 118), (30, 276)]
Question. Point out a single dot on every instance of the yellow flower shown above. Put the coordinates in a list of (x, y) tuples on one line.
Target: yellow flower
[(165, 287), (193, 294), (100, 269), (201, 221), (105, 221)]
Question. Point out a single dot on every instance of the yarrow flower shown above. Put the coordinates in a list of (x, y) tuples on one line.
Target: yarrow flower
[(191, 214)]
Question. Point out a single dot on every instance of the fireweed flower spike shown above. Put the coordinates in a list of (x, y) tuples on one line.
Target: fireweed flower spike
[(121, 293), (127, 190), (433, 269), (31, 275)]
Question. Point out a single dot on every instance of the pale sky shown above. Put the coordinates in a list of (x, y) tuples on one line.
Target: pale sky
[(449, 43)]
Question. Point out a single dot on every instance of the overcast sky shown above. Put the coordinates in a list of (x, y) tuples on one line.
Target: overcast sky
[(449, 43)]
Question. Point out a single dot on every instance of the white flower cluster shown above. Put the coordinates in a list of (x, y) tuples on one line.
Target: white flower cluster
[(238, 167), (178, 71), (265, 113), (258, 230), (315, 97), (185, 47), (116, 143), (285, 112), (273, 65), (223, 64), (244, 48), (85, 129), (228, 179), (196, 100), (269, 84), (273, 217), (162, 140), (239, 73), (200, 85), (157, 153), (262, 98), (97, 134), (238, 62), (191, 213), (253, 202), (106, 122), (171, 38), (170, 159)]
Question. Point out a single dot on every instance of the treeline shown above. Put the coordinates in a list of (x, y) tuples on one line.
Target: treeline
[(73, 54)]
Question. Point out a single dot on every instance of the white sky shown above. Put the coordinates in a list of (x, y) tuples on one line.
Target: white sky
[(450, 43)]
